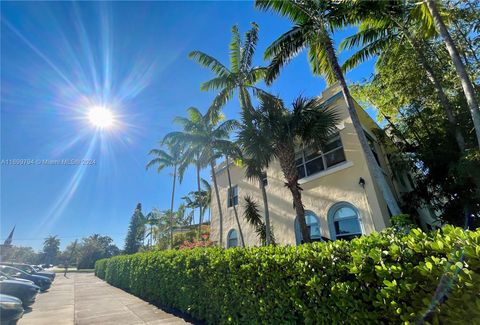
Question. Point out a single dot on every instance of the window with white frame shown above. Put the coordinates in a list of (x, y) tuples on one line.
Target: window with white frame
[(232, 238), (232, 196), (344, 222), (310, 161)]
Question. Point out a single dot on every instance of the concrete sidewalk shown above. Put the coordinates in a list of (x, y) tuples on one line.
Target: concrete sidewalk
[(82, 298)]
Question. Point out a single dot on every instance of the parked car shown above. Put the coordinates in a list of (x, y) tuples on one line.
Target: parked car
[(11, 309), (24, 291), (43, 282), (30, 269)]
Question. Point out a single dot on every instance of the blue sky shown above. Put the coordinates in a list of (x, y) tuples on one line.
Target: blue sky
[(60, 58)]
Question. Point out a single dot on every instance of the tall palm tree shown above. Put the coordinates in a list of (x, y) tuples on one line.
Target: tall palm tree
[(387, 25), (280, 130), (314, 22), (241, 75), (172, 157), (151, 221), (205, 135), (459, 66), (255, 160)]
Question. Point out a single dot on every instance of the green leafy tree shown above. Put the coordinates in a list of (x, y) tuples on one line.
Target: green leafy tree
[(136, 232), (94, 248), (462, 73), (22, 255), (314, 22), (442, 177), (281, 130), (204, 136), (388, 27), (51, 249)]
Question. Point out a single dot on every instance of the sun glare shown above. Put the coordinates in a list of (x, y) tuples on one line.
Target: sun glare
[(100, 117)]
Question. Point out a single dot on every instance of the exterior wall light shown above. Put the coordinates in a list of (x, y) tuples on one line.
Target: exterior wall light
[(361, 182)]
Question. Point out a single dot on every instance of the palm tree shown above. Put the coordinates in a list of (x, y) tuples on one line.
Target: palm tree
[(204, 135), (388, 25), (459, 66), (172, 157), (314, 23), (241, 75), (151, 221), (279, 131), (255, 160)]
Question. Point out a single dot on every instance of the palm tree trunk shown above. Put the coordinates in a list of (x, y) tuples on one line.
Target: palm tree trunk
[(231, 200), (286, 157), (200, 216), (372, 164), (171, 204), (220, 214), (267, 213), (459, 67)]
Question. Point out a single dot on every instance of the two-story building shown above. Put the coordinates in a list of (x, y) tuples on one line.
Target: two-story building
[(340, 196)]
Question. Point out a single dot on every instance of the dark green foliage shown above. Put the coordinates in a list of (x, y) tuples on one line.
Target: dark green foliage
[(92, 249), (386, 278), (136, 231), (51, 250)]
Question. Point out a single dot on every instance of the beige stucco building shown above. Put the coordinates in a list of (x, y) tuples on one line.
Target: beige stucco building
[(336, 204)]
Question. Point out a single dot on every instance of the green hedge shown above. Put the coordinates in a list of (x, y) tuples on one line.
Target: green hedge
[(381, 278)]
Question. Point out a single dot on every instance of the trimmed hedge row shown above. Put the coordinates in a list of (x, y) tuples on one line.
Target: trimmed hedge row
[(381, 278)]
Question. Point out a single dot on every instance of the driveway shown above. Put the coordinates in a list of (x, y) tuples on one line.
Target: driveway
[(83, 298)]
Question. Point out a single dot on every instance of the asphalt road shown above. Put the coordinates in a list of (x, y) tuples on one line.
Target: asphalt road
[(82, 298)]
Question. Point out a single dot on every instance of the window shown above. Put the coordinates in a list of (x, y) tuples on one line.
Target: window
[(344, 222), (232, 196), (310, 161), (264, 178), (232, 238), (313, 225)]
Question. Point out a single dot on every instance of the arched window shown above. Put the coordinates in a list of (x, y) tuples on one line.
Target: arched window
[(313, 225), (344, 221), (232, 238)]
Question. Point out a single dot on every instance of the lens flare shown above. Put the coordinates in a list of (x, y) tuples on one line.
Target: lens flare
[(101, 117)]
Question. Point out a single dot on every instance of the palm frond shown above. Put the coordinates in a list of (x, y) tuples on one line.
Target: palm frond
[(369, 51), (291, 9), (221, 99), (283, 49), (251, 39), (218, 83), (252, 212), (235, 45), (319, 59), (209, 62)]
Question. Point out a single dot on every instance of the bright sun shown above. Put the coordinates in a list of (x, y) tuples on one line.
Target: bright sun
[(100, 117)]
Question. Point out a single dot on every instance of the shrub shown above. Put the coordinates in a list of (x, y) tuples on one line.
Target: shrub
[(389, 277)]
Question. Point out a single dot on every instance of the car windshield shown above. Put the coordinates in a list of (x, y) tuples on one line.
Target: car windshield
[(24, 268), (12, 271)]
